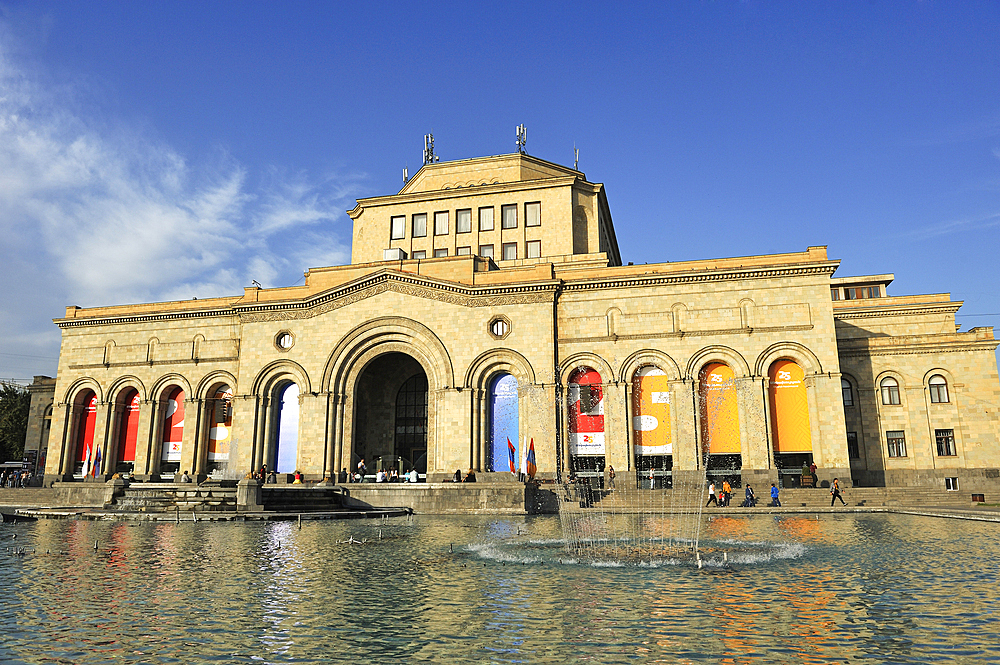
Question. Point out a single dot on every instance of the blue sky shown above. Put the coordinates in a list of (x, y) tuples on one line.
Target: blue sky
[(152, 151)]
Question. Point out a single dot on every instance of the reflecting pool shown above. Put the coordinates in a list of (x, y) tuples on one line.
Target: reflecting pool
[(774, 588)]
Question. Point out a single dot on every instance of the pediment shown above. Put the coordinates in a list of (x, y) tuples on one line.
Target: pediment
[(385, 281)]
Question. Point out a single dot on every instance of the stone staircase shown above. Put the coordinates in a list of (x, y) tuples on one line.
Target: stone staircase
[(171, 497), (632, 500)]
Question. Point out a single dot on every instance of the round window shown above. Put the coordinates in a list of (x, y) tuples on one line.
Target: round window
[(499, 327), (284, 340)]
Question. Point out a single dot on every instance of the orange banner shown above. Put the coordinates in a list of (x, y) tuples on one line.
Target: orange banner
[(720, 421), (789, 408)]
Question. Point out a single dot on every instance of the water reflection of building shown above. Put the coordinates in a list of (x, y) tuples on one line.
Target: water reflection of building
[(487, 301)]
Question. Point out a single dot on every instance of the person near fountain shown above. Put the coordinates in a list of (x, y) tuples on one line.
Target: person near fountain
[(298, 478), (470, 477), (185, 478), (751, 498), (362, 470), (835, 492), (458, 476), (611, 476), (812, 472), (727, 493), (774, 497), (342, 476), (711, 495), (414, 477)]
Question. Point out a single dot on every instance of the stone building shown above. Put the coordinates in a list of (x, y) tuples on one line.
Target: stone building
[(486, 312)]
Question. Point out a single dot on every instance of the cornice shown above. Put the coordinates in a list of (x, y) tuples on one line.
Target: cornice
[(365, 287), (143, 318), (458, 192), (708, 275), (684, 333), (897, 310), (909, 349)]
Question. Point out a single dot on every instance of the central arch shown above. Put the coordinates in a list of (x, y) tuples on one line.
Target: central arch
[(351, 357), (390, 414)]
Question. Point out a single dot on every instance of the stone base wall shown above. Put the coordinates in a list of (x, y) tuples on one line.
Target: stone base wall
[(451, 498)]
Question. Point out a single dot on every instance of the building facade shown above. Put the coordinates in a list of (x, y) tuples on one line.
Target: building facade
[(485, 313)]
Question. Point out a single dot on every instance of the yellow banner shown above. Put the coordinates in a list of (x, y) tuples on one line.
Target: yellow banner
[(789, 408)]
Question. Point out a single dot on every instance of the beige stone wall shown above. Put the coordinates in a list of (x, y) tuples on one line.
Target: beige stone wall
[(912, 340), (564, 196), (575, 307)]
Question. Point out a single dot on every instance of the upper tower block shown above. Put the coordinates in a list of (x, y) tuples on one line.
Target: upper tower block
[(511, 208)]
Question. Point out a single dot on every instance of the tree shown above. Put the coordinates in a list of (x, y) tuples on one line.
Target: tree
[(15, 402)]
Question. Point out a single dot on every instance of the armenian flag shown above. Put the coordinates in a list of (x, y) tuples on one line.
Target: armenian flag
[(511, 453), (97, 461), (529, 463)]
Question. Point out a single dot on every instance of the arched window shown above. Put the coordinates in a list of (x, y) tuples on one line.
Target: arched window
[(890, 391), (845, 388), (939, 389)]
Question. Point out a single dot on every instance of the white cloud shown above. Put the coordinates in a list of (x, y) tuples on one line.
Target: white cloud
[(97, 216)]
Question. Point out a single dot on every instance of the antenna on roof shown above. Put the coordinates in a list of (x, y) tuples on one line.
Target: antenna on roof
[(522, 139), (576, 157), (406, 176), (429, 156)]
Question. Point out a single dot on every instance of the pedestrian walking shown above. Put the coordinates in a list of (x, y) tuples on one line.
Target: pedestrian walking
[(774, 497), (711, 495), (835, 493)]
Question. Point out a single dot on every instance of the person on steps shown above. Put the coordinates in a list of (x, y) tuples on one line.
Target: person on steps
[(711, 495), (835, 492), (774, 497)]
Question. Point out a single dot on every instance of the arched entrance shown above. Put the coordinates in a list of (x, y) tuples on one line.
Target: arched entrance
[(720, 423), (503, 423), (651, 421), (173, 431), (285, 451), (220, 428), (127, 412), (86, 414), (586, 424), (390, 414), (791, 436)]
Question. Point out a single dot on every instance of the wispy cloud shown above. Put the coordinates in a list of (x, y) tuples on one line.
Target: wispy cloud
[(953, 227), (92, 215)]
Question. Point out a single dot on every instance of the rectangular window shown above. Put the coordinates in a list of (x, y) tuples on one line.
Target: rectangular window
[(421, 254), (420, 225), (532, 214), (463, 221), (534, 248), (486, 250), (509, 251), (835, 294), (896, 442), (845, 389), (439, 253), (874, 292), (441, 223), (508, 217), (939, 390), (486, 219), (945, 439), (398, 228), (463, 251), (951, 484), (853, 450)]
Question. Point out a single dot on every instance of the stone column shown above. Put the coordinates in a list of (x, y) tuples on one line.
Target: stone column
[(617, 435), (192, 426), (146, 436), (55, 464)]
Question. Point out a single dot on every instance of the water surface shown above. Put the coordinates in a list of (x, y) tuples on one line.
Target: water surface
[(796, 589)]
